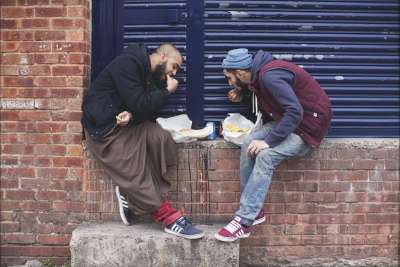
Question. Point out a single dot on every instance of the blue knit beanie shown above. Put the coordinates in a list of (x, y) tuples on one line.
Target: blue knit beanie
[(237, 59)]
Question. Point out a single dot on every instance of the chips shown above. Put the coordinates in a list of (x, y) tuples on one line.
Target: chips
[(233, 128)]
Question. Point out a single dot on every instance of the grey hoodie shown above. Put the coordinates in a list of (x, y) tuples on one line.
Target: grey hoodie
[(279, 83)]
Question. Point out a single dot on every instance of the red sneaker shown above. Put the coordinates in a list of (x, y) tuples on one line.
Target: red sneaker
[(260, 218), (233, 231)]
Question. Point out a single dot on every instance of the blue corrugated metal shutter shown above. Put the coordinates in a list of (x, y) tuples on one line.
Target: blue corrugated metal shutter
[(351, 48)]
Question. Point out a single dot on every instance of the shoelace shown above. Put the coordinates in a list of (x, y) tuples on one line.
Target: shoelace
[(233, 226), (184, 222)]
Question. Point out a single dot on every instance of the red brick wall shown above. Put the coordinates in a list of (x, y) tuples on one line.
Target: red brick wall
[(45, 59), (342, 201)]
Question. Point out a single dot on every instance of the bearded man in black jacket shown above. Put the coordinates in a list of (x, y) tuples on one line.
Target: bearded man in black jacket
[(136, 153)]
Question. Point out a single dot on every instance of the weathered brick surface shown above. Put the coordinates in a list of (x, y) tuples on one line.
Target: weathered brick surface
[(349, 210), (44, 68)]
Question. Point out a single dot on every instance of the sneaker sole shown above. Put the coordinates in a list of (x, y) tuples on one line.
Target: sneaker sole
[(121, 209), (197, 236), (230, 239), (258, 221)]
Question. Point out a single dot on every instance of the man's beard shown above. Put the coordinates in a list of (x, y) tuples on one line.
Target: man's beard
[(159, 76)]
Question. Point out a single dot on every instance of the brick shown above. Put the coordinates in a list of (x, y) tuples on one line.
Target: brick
[(79, 59), (50, 58), (16, 59), (51, 195), (8, 3), (50, 11), (391, 186), (34, 115), (49, 35), (359, 175), (29, 47), (327, 229), (288, 175), (311, 240), (16, 12), (70, 47), (69, 2), (334, 186), (52, 173), (301, 186), (54, 239), (33, 2), (18, 238), (9, 227), (68, 206), (302, 208), (301, 230), (17, 149), (17, 36), (284, 219), (303, 164), (78, 12), (351, 197), (270, 208), (8, 23), (50, 81), (392, 164), (73, 116), (223, 197), (224, 186), (35, 205), (375, 218), (391, 197), (76, 36), (384, 175), (18, 172), (8, 160), (7, 46), (65, 93), (9, 183), (319, 197), (336, 164), (333, 208), (35, 23), (35, 183), (20, 194), (368, 164), (51, 127), (19, 81), (68, 71)]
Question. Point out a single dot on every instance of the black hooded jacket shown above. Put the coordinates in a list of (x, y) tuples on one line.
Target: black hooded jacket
[(124, 85)]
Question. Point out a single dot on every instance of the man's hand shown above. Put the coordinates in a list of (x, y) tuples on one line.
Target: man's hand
[(123, 118), (234, 95), (256, 146), (172, 84)]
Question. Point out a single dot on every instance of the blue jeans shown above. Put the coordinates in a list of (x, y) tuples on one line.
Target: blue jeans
[(256, 172)]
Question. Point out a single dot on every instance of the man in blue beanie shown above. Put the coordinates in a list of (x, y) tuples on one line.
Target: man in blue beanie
[(298, 112)]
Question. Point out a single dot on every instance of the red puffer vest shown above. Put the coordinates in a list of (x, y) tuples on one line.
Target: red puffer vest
[(315, 102)]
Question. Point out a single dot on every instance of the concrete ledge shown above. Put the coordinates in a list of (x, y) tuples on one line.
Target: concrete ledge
[(366, 143), (114, 244)]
